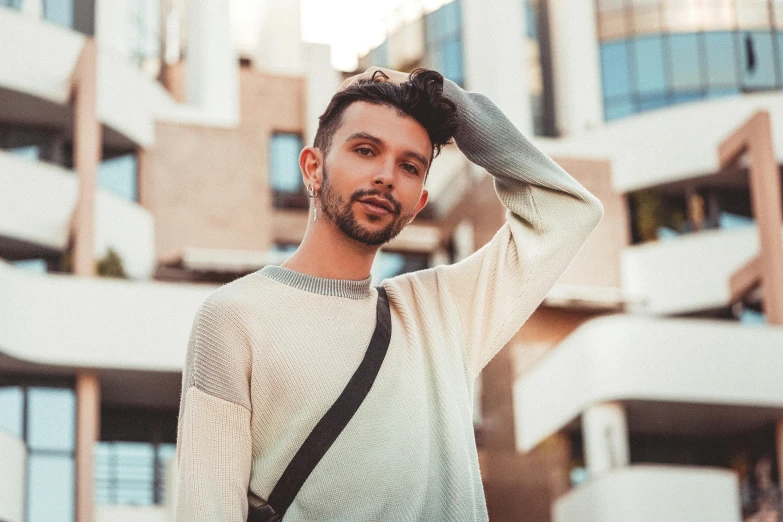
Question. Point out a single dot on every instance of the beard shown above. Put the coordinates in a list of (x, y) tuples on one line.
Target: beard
[(341, 214)]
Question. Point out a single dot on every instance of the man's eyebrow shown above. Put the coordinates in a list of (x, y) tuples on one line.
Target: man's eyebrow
[(369, 137)]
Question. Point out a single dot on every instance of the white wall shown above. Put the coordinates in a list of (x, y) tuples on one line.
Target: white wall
[(280, 48), (96, 322), (493, 53), (132, 514), (576, 65), (653, 494), (624, 357), (37, 57), (37, 201), (322, 83), (669, 144), (13, 461), (686, 273)]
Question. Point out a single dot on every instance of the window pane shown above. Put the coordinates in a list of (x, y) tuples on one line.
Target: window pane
[(686, 97), (452, 60), (125, 473), (31, 152), (531, 19), (650, 71), (284, 152), (721, 58), (13, 4), (119, 176), (35, 266), (614, 69), (684, 52), (59, 12), (758, 63), (50, 489), (11, 410), (656, 101), (51, 415), (619, 108)]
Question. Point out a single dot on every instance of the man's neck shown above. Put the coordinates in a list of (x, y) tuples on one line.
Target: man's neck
[(327, 252)]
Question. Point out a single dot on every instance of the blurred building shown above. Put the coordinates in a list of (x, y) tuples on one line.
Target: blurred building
[(646, 387), (139, 140)]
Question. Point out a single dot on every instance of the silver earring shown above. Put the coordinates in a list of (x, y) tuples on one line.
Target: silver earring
[(313, 194)]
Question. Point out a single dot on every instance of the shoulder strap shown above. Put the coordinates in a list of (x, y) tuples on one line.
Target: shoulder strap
[(329, 427)]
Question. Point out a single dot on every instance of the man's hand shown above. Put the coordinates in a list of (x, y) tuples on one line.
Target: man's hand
[(380, 74)]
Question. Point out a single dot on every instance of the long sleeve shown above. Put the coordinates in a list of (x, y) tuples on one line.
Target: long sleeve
[(549, 216), (213, 433)]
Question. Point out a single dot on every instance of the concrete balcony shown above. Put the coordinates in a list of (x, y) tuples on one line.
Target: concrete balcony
[(37, 202), (670, 375), (13, 455), (687, 273), (653, 494)]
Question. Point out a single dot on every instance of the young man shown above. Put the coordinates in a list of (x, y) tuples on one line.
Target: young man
[(270, 352)]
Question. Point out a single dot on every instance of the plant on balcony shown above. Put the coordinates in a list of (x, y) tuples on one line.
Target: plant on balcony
[(111, 265), (653, 212)]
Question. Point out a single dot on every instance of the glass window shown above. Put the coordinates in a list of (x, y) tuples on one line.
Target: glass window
[(284, 173), (13, 4), (685, 63), (686, 97), (649, 64), (59, 12), (618, 108), (11, 404), (719, 92), (35, 266), (647, 103), (120, 177), (614, 69), (50, 488), (451, 60), (721, 58), (531, 19), (51, 419), (758, 62), (31, 152)]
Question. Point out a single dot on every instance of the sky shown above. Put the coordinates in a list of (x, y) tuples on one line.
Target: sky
[(353, 27)]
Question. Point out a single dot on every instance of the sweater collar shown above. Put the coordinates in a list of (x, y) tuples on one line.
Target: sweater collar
[(319, 285)]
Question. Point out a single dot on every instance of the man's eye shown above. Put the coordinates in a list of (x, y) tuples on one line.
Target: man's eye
[(410, 168), (364, 151)]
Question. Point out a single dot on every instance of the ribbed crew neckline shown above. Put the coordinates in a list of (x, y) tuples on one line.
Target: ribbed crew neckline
[(319, 285)]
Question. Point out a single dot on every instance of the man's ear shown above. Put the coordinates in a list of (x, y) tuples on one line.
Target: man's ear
[(311, 165), (422, 203)]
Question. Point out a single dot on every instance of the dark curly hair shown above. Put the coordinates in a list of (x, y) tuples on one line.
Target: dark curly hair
[(421, 98)]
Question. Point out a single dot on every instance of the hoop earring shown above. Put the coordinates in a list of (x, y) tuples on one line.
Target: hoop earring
[(313, 194)]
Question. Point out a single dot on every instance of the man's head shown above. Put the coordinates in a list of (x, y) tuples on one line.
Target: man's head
[(373, 149)]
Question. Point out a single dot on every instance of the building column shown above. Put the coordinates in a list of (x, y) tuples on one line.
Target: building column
[(605, 438), (576, 65), (87, 144), (88, 410), (497, 36)]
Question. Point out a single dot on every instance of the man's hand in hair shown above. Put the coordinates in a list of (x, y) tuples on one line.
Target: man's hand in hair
[(379, 74)]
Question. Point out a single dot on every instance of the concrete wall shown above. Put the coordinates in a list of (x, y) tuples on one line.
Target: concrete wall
[(13, 456), (598, 262), (654, 494), (207, 187)]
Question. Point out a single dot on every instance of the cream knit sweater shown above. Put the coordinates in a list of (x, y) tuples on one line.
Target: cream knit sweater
[(270, 352)]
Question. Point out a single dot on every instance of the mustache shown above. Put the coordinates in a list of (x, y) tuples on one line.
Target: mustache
[(369, 192)]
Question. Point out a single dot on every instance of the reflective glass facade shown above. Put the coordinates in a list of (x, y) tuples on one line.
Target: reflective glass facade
[(44, 417), (656, 53), (443, 41)]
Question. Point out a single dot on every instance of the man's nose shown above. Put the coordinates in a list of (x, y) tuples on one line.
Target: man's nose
[(385, 177)]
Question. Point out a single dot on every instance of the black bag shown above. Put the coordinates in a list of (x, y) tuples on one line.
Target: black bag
[(329, 427)]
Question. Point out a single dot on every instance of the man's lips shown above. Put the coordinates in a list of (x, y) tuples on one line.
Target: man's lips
[(378, 202)]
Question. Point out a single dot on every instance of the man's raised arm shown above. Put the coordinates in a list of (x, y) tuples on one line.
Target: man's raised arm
[(549, 217)]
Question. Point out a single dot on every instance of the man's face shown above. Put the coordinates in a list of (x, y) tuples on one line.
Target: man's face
[(373, 175)]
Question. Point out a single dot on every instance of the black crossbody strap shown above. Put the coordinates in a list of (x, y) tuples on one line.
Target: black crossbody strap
[(332, 423)]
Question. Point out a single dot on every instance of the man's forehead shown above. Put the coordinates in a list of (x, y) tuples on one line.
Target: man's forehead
[(384, 122)]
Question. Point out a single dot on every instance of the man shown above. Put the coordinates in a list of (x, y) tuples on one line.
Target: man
[(270, 352)]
